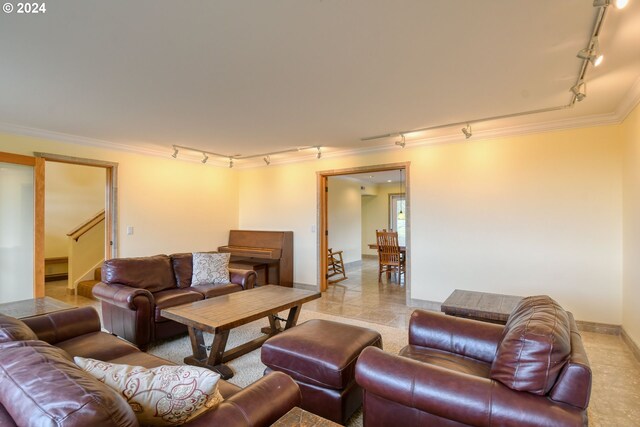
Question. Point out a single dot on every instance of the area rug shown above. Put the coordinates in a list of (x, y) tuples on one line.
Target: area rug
[(248, 368)]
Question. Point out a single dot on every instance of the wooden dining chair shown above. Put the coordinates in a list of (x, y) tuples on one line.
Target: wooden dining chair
[(390, 259)]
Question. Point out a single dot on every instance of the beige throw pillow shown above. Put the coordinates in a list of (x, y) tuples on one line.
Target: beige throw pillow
[(210, 268), (162, 396)]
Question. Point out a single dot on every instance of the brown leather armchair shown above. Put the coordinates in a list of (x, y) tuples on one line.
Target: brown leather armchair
[(133, 292), (457, 372)]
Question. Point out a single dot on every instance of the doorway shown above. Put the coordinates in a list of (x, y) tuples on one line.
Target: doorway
[(96, 221), (323, 214)]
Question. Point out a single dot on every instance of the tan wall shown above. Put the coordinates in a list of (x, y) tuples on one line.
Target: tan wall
[(345, 217), (73, 195), (375, 214), (85, 254), (535, 214), (173, 205), (631, 282)]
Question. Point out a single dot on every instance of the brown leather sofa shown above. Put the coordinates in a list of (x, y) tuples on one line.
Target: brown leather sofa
[(458, 372), (41, 386), (133, 291)]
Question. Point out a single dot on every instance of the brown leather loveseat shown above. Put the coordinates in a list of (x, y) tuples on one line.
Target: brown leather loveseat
[(457, 372), (41, 386), (133, 291)]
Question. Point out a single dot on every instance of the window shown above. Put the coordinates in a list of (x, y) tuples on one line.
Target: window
[(396, 206)]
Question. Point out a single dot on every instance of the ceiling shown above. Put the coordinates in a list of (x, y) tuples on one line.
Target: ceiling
[(249, 77)]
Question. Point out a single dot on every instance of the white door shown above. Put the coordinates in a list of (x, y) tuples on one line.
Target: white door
[(21, 262)]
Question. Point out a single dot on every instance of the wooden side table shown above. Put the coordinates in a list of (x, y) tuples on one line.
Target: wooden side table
[(494, 308), (33, 307), (298, 417)]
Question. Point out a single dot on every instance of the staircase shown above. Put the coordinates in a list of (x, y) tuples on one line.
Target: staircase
[(85, 287)]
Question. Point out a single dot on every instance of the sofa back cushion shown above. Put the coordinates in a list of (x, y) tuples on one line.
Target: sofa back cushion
[(535, 346), (41, 386), (12, 329), (182, 268), (153, 273)]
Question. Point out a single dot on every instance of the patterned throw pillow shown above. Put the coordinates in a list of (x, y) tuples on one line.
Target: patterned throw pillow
[(162, 396), (210, 268)]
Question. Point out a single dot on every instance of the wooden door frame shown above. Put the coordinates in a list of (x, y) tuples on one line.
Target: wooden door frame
[(111, 196), (322, 220), (38, 215)]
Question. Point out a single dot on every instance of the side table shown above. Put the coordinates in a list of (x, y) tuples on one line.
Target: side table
[(33, 307), (298, 417), (494, 308)]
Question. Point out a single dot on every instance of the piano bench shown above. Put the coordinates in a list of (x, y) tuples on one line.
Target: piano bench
[(256, 266)]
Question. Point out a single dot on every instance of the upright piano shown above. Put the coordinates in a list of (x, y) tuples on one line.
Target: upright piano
[(274, 248)]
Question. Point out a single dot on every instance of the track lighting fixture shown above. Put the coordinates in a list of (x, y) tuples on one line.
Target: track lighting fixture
[(204, 157), (592, 53), (467, 131), (175, 152), (267, 160), (620, 4), (230, 162), (580, 90), (402, 142), (319, 152)]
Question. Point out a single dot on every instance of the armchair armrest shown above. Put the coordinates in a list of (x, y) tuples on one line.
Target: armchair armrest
[(121, 295), (259, 404), (63, 325), (245, 278), (456, 396), (472, 338)]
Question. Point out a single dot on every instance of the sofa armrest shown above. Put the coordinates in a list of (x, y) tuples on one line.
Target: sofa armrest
[(471, 338), (259, 404), (245, 278), (63, 325), (121, 295), (454, 395)]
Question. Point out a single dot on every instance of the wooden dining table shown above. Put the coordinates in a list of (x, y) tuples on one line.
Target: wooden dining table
[(375, 246)]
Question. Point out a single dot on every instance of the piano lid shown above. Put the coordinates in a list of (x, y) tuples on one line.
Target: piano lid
[(252, 252)]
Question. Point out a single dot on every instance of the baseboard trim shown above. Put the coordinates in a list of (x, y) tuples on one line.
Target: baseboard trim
[(632, 345), (369, 256), (55, 277), (305, 286), (600, 328)]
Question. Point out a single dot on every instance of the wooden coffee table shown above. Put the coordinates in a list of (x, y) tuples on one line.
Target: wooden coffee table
[(221, 314)]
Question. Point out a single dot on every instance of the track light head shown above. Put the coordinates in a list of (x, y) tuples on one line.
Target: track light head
[(580, 90), (592, 53), (230, 162), (401, 142), (175, 152), (319, 155), (467, 131), (204, 157), (620, 4), (267, 160)]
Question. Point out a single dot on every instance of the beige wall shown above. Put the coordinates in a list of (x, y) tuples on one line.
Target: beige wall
[(375, 214), (73, 195), (521, 215), (173, 205), (345, 217), (631, 282), (536, 214)]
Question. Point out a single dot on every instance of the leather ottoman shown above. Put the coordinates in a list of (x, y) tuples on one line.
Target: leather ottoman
[(321, 356)]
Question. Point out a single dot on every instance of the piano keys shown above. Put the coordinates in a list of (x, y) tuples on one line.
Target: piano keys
[(274, 248)]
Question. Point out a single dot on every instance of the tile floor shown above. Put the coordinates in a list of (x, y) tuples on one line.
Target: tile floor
[(615, 397)]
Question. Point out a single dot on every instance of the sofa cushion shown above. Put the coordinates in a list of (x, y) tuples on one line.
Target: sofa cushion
[(171, 298), (535, 345), (447, 360), (12, 329), (41, 386), (210, 268), (153, 273), (182, 268), (162, 396), (211, 290)]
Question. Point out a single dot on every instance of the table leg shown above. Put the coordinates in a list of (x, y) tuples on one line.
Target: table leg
[(292, 319), (214, 361)]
